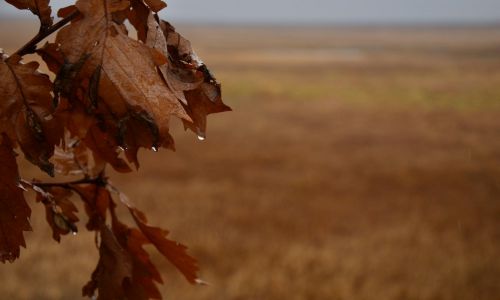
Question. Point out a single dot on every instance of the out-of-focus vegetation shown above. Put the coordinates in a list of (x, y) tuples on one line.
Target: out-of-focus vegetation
[(359, 163)]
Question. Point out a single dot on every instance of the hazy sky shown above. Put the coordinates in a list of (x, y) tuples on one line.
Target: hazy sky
[(323, 11)]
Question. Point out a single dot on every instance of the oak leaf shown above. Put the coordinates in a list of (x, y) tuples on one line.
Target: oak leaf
[(128, 80), (14, 211), (26, 111), (186, 75), (138, 17), (97, 201), (175, 252), (112, 271), (74, 159), (60, 211), (156, 5), (144, 273)]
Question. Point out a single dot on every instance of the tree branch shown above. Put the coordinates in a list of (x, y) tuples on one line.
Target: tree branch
[(30, 47), (99, 180)]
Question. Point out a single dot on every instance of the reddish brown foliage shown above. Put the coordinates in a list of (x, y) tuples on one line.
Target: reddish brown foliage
[(111, 96), (14, 211)]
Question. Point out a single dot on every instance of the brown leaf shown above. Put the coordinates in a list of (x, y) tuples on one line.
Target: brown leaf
[(175, 252), (179, 77), (138, 17), (105, 149), (26, 111), (66, 11), (200, 105), (14, 211), (40, 8), (144, 273), (60, 211), (74, 160), (112, 271), (97, 200), (129, 82), (186, 75), (156, 5), (52, 56)]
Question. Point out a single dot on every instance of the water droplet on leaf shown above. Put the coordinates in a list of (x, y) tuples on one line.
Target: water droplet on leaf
[(201, 134)]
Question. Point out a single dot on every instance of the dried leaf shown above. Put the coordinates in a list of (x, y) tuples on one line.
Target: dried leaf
[(52, 56), (40, 8), (66, 11), (105, 149), (144, 273), (127, 63), (156, 5), (26, 111), (97, 200), (14, 211), (60, 211), (175, 252), (74, 160), (186, 75), (138, 17), (112, 271)]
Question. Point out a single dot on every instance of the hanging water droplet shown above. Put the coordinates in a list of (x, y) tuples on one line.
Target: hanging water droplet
[(48, 117), (74, 232), (154, 148), (121, 149), (201, 134)]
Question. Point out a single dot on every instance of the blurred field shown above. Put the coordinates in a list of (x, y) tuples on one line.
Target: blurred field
[(359, 163)]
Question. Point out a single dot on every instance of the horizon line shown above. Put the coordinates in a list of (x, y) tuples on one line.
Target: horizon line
[(304, 23)]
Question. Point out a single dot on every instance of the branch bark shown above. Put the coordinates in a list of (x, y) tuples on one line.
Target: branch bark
[(30, 47)]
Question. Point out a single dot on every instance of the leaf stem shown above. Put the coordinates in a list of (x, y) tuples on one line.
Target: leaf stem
[(30, 47)]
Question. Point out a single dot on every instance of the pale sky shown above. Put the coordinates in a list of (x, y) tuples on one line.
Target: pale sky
[(321, 11)]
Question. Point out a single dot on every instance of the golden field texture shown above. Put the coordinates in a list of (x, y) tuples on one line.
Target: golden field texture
[(358, 163)]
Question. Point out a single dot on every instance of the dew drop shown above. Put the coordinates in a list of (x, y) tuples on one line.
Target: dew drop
[(154, 148), (74, 232), (201, 134), (48, 117)]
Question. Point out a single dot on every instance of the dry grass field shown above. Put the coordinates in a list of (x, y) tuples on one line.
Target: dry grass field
[(359, 163)]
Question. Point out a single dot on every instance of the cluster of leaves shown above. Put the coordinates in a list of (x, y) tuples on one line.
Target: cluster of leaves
[(112, 95)]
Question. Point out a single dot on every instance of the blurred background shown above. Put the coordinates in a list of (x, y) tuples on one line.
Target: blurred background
[(361, 161)]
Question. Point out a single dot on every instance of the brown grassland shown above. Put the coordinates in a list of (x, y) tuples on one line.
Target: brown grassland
[(359, 163)]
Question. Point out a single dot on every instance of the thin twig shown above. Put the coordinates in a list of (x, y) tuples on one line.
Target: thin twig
[(99, 180), (30, 47)]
